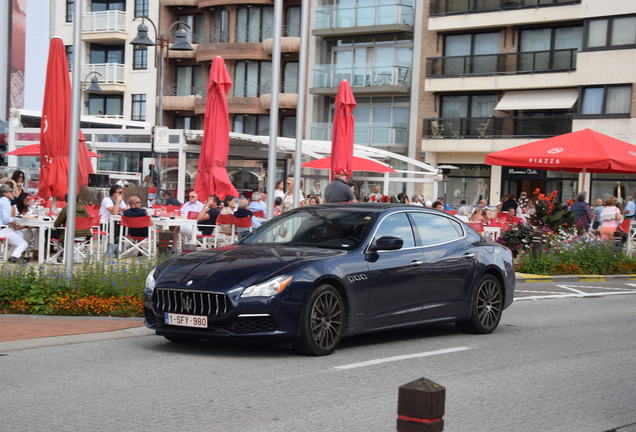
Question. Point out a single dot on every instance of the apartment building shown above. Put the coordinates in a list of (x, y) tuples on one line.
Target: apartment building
[(126, 74), (500, 73)]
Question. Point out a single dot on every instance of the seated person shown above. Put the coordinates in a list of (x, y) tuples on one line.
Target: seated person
[(477, 216), (136, 210), (228, 208), (168, 199), (8, 226), (80, 211), (278, 206), (511, 219), (242, 212), (207, 216)]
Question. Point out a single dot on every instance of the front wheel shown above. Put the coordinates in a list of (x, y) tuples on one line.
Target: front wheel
[(322, 322), (486, 307)]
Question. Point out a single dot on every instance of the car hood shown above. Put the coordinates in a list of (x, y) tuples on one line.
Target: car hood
[(236, 265)]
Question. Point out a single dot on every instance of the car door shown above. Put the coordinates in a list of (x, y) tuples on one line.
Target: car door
[(449, 262), (394, 278)]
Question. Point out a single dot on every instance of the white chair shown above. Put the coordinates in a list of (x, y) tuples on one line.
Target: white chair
[(220, 238), (4, 246), (82, 245), (492, 233), (129, 244)]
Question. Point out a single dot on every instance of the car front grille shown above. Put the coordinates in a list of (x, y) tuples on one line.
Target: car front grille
[(213, 305)]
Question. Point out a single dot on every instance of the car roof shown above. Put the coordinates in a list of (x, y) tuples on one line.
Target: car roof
[(372, 207)]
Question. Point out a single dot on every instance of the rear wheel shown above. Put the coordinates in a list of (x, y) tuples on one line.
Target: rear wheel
[(486, 307), (322, 322)]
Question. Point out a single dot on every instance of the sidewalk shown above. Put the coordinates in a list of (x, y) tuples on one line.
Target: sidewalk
[(523, 277), (31, 331)]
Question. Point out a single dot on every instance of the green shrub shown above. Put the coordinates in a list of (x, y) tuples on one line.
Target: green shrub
[(541, 265)]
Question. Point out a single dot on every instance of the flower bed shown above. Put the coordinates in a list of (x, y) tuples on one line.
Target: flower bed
[(99, 289)]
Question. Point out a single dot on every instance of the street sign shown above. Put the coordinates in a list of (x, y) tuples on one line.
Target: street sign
[(160, 139)]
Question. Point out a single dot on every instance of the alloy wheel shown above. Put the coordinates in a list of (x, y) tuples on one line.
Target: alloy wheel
[(489, 304), (326, 320)]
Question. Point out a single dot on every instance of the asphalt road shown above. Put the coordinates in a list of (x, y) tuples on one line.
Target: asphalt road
[(560, 363)]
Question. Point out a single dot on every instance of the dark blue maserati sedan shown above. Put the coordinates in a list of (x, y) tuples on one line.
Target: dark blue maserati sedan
[(316, 274)]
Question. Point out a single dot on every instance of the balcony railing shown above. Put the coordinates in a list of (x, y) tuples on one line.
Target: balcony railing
[(105, 21), (176, 89), (497, 127), (390, 12), (500, 64), (448, 7), (363, 76), (371, 134), (111, 73), (241, 34)]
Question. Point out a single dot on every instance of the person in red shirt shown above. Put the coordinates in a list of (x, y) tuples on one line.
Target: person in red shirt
[(511, 220)]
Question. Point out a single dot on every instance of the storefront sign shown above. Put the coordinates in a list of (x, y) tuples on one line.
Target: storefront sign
[(513, 173)]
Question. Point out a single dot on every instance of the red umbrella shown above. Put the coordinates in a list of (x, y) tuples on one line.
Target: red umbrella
[(212, 175), (584, 150), (358, 164), (342, 136), (55, 128), (34, 150)]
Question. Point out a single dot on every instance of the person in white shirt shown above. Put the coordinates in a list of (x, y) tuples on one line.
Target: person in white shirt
[(112, 205), (288, 199), (279, 190), (375, 196), (8, 227), (192, 205)]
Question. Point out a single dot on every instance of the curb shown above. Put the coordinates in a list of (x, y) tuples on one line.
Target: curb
[(574, 278)]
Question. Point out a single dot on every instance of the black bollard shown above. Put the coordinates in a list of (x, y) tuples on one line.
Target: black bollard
[(421, 406)]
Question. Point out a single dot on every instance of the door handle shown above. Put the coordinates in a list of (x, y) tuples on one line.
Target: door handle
[(468, 256), (415, 263)]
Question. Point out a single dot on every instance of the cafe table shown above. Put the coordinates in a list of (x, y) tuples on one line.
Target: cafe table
[(44, 224)]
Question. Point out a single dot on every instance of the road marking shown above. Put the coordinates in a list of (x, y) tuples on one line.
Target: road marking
[(401, 357), (567, 287), (537, 292), (573, 295)]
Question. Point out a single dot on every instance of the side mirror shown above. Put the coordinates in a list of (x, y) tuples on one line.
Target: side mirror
[(386, 243)]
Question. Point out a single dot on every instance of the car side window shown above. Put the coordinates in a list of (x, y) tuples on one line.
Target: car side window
[(431, 229), (397, 225)]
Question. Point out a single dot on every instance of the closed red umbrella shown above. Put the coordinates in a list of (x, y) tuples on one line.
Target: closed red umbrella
[(359, 164), (342, 136), (34, 150), (212, 177), (55, 128), (83, 161), (584, 150)]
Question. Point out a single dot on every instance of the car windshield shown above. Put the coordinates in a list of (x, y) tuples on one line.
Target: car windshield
[(325, 228)]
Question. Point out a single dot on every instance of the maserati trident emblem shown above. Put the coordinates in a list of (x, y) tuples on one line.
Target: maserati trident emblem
[(187, 304), (188, 283)]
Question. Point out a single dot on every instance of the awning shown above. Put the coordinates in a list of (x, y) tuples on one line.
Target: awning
[(538, 100)]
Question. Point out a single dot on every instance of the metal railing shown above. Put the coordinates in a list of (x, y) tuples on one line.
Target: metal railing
[(371, 134), (105, 21), (241, 34), (250, 89), (176, 89), (497, 127), (111, 73), (448, 7), (396, 12), (499, 64), (363, 76)]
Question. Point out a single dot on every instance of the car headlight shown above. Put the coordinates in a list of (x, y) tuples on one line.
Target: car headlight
[(269, 288), (150, 283)]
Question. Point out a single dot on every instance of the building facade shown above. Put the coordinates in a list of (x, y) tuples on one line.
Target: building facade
[(127, 75), (500, 73)]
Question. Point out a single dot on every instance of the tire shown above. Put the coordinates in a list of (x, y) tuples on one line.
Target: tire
[(181, 339), (322, 322), (486, 307)]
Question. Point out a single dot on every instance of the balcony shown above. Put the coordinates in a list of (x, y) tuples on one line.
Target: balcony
[(213, 3), (497, 127), (450, 7), (104, 26), (178, 97), (243, 44), (179, 3), (364, 79), (501, 64), (113, 75), (385, 135), (287, 99), (389, 17)]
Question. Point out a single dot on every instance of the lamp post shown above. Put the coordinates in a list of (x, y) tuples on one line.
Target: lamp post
[(161, 40), (93, 87)]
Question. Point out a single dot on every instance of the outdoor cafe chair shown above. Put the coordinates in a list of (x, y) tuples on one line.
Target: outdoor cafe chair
[(4, 246), (129, 244), (259, 214), (477, 226), (220, 238), (82, 245)]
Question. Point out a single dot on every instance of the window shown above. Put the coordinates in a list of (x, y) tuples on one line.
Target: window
[(251, 124), (464, 115), (70, 10), (105, 105), (254, 24), (140, 57), (459, 46), (106, 54), (432, 229), (252, 79), (187, 122), (549, 48), (288, 128), (219, 26), (607, 100), (138, 107), (189, 81), (106, 5), (69, 56), (397, 225), (195, 22), (608, 32), (290, 77), (141, 8), (292, 21)]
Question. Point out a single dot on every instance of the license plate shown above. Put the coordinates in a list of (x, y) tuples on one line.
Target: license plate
[(185, 320)]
